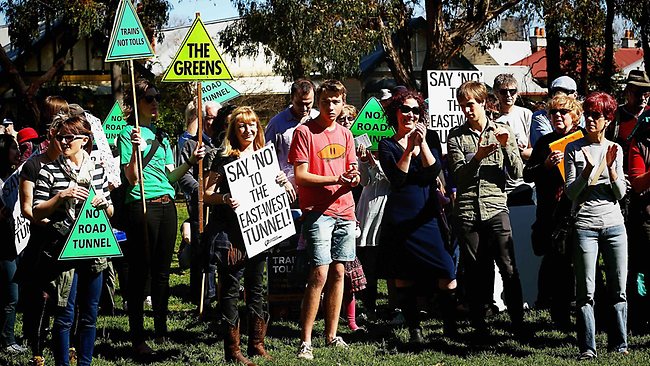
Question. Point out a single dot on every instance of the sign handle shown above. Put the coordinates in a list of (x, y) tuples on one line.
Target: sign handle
[(138, 159), (199, 112)]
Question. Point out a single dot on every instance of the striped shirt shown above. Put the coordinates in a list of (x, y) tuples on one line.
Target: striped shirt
[(52, 180)]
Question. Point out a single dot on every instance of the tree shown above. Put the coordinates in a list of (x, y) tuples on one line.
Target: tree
[(76, 19), (639, 13)]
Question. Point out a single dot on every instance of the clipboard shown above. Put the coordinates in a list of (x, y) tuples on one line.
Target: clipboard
[(561, 145)]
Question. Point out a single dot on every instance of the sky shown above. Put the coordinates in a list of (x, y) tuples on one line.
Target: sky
[(183, 10)]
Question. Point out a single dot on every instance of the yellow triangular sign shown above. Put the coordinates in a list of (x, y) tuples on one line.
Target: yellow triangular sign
[(197, 59)]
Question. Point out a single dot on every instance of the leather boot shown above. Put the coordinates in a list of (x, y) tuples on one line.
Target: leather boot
[(231, 348), (448, 304), (257, 325)]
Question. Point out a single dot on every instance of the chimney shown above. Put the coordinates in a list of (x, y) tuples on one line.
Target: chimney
[(628, 40), (538, 41)]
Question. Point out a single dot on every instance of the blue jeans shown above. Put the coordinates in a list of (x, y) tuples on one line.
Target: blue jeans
[(612, 243), (9, 298), (328, 238), (86, 288)]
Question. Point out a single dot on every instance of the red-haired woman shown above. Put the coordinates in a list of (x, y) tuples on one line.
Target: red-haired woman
[(595, 183)]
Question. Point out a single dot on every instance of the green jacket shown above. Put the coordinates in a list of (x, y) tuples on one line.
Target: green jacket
[(481, 185), (61, 286)]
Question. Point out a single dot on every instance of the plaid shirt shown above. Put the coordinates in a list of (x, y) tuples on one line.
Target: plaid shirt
[(481, 185)]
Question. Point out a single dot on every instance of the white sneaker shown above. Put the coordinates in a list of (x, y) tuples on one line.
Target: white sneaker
[(147, 301), (15, 349), (337, 342), (306, 352)]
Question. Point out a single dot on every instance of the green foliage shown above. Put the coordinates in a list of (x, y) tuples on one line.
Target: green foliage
[(171, 113), (307, 37), (81, 17)]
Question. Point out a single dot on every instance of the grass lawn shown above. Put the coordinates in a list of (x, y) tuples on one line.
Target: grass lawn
[(197, 343)]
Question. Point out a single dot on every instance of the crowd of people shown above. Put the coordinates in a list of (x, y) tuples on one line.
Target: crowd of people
[(431, 220)]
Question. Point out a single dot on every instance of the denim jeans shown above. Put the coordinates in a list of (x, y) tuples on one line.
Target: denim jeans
[(328, 238), (85, 293), (612, 243), (8, 300)]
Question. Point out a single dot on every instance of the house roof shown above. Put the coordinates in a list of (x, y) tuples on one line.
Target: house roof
[(623, 57)]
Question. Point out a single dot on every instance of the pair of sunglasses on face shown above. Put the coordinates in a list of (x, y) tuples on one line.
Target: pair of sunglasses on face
[(562, 111), (505, 92), (150, 98), (406, 109), (69, 138)]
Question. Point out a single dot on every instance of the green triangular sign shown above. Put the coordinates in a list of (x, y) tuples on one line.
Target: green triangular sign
[(218, 91), (197, 59), (372, 120), (128, 39), (114, 124), (92, 235)]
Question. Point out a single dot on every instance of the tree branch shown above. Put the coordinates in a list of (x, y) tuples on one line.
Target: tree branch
[(15, 79)]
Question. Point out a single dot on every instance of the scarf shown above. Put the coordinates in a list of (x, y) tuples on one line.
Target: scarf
[(77, 176)]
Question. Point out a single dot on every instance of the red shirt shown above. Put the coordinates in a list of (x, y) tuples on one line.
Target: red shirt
[(327, 153)]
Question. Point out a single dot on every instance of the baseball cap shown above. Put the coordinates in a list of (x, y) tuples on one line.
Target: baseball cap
[(26, 134), (7, 121), (564, 83)]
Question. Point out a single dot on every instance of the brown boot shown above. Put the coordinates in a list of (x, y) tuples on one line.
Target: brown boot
[(231, 348), (257, 326)]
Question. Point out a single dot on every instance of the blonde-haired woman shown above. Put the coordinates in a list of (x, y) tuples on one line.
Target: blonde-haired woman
[(553, 208), (244, 136)]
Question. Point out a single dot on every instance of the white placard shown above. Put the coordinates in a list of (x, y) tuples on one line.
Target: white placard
[(264, 213), (103, 153), (21, 226), (444, 111), (363, 140)]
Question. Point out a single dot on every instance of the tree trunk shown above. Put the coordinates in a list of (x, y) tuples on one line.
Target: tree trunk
[(437, 42), (609, 68), (116, 80), (583, 88), (397, 66), (553, 65)]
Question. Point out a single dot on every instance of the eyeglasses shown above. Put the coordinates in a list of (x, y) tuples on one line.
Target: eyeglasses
[(508, 91), (68, 138), (594, 115), (562, 111), (150, 98), (406, 109), (346, 118)]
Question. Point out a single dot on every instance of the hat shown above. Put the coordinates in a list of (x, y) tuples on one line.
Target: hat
[(7, 121), (75, 110), (564, 83), (638, 78), (27, 134)]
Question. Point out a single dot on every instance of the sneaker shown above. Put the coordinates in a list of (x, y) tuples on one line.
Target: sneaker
[(15, 349), (586, 355), (147, 301), (306, 352), (37, 361), (337, 342)]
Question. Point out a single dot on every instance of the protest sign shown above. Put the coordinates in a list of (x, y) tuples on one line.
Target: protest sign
[(128, 40), (444, 110), (218, 91), (20, 224), (197, 59), (114, 124), (103, 154), (363, 140), (92, 235), (561, 144), (371, 120), (264, 215)]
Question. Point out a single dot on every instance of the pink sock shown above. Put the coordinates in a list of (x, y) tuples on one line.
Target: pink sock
[(351, 310)]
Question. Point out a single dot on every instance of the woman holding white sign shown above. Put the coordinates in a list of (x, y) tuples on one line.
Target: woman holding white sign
[(61, 189), (9, 159), (243, 137)]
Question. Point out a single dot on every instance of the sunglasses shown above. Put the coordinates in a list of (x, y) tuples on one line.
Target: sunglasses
[(150, 98), (346, 118), (508, 91), (562, 111), (594, 115), (68, 138), (406, 109)]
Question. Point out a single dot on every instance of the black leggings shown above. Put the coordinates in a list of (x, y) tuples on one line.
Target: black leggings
[(229, 279), (149, 253)]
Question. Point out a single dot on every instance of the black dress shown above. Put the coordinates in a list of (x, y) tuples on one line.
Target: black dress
[(411, 245)]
